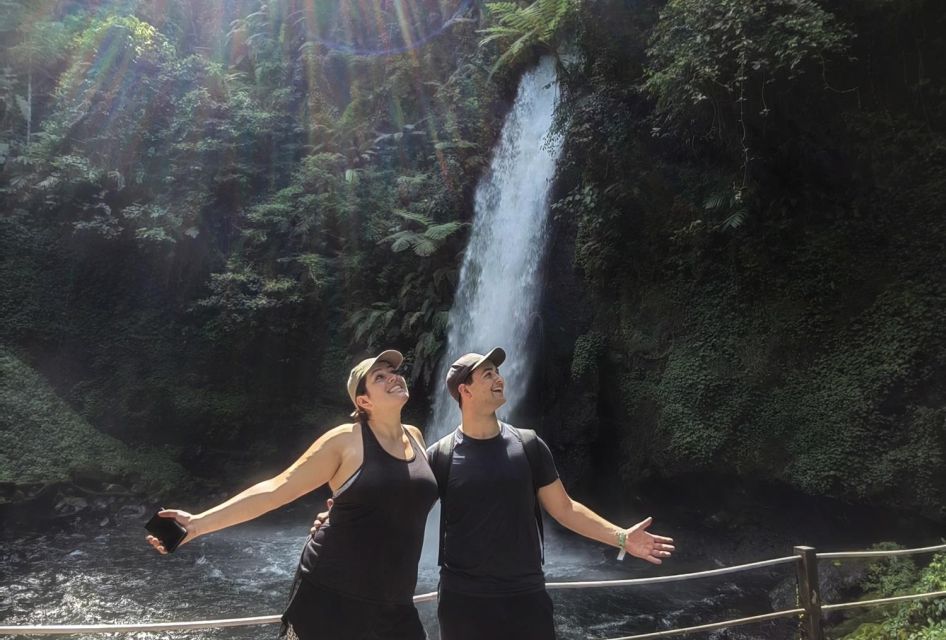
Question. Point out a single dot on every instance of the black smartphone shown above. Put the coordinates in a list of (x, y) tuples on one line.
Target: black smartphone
[(167, 530)]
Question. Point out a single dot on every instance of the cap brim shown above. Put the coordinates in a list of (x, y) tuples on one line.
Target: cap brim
[(497, 356), (392, 357)]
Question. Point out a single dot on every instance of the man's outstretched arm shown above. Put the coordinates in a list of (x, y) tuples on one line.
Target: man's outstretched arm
[(583, 521)]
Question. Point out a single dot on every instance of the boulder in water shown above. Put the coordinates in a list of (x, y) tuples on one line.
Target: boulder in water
[(132, 511), (70, 505)]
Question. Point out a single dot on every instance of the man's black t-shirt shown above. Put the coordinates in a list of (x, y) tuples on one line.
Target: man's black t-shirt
[(491, 543)]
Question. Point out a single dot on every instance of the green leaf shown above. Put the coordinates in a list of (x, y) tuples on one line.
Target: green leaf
[(413, 217), (439, 232)]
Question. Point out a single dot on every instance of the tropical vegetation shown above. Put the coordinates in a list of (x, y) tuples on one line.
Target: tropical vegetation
[(209, 209)]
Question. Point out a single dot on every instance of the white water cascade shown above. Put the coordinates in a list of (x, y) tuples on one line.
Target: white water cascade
[(498, 289)]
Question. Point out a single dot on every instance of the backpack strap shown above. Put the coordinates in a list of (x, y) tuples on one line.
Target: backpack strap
[(441, 457), (531, 446)]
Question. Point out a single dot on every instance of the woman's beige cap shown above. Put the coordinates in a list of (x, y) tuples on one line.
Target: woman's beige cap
[(392, 357)]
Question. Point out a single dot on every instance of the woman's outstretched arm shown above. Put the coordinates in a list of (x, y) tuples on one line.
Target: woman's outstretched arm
[(313, 469)]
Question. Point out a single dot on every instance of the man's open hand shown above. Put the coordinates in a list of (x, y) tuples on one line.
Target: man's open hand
[(647, 546)]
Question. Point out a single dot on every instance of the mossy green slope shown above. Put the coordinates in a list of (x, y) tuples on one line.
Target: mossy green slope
[(43, 441)]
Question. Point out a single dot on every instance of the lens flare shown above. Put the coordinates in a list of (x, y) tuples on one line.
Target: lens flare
[(398, 26)]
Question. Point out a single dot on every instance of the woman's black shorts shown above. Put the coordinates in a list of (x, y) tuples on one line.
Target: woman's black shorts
[(316, 613)]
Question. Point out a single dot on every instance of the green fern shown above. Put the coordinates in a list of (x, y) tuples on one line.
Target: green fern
[(420, 244), (371, 324), (732, 204), (413, 217), (439, 232), (423, 242), (538, 24)]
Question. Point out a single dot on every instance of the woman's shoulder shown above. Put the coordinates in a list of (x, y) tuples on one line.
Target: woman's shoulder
[(342, 434), (416, 433)]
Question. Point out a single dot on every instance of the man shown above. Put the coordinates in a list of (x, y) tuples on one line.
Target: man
[(491, 475)]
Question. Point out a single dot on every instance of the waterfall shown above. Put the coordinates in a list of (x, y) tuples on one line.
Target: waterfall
[(498, 288)]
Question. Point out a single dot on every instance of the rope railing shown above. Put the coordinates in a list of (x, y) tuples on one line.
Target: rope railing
[(788, 613), (839, 555), (69, 629), (882, 601), (672, 578), (805, 559)]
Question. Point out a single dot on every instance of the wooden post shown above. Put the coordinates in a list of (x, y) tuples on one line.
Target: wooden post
[(809, 592)]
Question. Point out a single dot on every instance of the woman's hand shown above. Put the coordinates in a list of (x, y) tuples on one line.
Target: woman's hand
[(184, 519)]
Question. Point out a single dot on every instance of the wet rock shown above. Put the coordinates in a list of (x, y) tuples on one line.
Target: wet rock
[(839, 583), (784, 595), (70, 505), (116, 489), (92, 478), (132, 511)]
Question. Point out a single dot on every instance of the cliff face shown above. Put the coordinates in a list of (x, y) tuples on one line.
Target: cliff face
[(746, 265), (772, 313)]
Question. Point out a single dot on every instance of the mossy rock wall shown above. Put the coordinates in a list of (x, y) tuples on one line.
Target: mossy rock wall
[(44, 441), (774, 311)]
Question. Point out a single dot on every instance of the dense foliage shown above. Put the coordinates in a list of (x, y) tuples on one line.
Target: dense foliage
[(210, 209), (917, 620), (755, 196)]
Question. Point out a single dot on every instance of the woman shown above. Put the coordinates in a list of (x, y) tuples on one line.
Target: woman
[(357, 574)]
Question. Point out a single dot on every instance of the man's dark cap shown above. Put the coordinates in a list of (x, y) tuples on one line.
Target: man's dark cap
[(460, 370)]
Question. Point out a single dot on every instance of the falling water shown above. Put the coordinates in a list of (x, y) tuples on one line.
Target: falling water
[(499, 281)]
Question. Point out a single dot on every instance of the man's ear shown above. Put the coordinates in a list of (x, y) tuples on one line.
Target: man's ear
[(464, 390)]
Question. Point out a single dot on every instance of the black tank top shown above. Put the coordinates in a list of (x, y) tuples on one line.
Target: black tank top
[(371, 545)]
